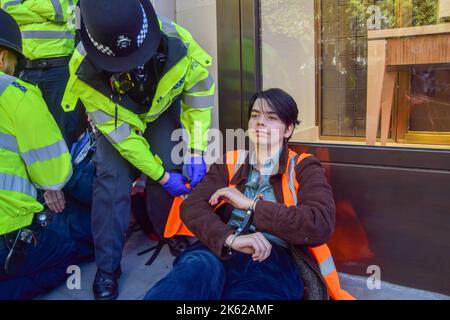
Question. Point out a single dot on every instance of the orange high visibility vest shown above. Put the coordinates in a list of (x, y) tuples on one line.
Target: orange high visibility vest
[(290, 185), (174, 225), (322, 253)]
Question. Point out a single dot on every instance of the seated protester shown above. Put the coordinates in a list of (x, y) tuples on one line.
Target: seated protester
[(227, 263), (36, 247)]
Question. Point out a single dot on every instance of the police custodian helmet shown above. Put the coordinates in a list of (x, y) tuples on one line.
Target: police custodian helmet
[(10, 36), (119, 35)]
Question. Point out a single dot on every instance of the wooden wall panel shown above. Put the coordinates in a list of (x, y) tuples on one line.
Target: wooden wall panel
[(431, 49)]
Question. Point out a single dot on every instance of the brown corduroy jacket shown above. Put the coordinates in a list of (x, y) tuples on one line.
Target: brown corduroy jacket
[(310, 223)]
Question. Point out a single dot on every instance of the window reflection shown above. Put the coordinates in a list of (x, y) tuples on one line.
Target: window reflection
[(430, 101), (343, 66), (289, 48)]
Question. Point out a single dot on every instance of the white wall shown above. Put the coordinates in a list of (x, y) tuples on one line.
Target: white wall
[(288, 53), (165, 8), (199, 17)]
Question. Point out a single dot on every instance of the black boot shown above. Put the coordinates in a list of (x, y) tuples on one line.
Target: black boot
[(106, 286)]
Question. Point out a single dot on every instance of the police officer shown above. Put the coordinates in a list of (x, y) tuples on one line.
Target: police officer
[(33, 155), (48, 32), (139, 77)]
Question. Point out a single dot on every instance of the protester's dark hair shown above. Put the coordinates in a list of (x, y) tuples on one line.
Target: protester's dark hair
[(279, 102)]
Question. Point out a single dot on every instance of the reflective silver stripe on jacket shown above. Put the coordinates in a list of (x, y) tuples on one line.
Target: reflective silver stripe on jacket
[(327, 266), (5, 81), (81, 49), (59, 15), (168, 27), (199, 101), (100, 117), (47, 35), (46, 153), (121, 133), (11, 3), (11, 182), (203, 85), (116, 136), (291, 175), (8, 142)]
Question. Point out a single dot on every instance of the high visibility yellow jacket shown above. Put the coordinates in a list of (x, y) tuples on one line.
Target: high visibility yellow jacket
[(48, 26), (33, 153), (185, 77)]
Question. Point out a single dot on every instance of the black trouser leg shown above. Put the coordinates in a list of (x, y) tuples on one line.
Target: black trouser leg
[(111, 204)]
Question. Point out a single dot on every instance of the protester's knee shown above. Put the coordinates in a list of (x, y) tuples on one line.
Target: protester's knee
[(197, 274), (203, 262)]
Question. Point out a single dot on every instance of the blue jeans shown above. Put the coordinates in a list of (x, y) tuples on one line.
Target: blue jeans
[(53, 82), (66, 241), (198, 274)]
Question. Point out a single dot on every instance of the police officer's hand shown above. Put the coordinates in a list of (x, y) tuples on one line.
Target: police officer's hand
[(175, 184), (55, 200), (196, 170), (255, 244)]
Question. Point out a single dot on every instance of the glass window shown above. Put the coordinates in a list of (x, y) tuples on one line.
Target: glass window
[(318, 52), (430, 101), (423, 110), (288, 53), (422, 99)]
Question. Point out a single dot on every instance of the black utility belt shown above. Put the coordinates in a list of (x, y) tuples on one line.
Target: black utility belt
[(47, 63), (19, 241), (39, 222)]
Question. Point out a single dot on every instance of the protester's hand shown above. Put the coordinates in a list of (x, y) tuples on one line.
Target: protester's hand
[(175, 184), (232, 196), (55, 200), (196, 170), (255, 244)]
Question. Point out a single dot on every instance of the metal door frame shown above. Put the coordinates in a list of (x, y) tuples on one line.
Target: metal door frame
[(239, 60)]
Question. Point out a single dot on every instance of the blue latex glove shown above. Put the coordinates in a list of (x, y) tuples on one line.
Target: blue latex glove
[(196, 170), (176, 184)]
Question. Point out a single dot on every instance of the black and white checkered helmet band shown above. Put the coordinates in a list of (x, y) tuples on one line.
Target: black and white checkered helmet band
[(143, 34), (140, 38), (100, 47)]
